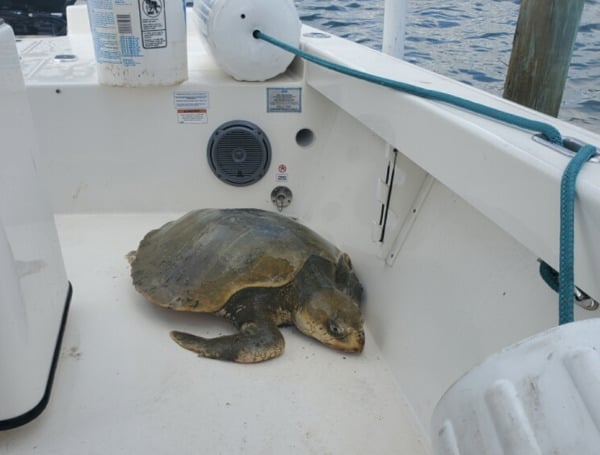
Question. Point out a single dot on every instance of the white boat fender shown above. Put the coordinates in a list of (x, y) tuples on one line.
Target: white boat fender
[(228, 27), (538, 396)]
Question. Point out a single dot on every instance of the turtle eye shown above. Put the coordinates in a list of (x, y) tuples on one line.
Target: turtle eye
[(335, 329)]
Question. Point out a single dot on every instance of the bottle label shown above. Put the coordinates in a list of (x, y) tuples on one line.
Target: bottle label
[(153, 23)]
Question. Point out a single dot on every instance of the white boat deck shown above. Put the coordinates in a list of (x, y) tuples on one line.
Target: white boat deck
[(119, 373), (454, 280)]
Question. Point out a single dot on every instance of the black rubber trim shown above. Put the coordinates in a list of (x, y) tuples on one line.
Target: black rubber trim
[(14, 422)]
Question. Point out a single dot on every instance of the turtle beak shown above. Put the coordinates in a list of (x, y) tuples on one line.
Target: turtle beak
[(354, 342), (359, 339)]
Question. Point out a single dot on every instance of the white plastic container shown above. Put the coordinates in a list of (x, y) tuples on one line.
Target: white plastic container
[(228, 26), (34, 291), (139, 42), (539, 396)]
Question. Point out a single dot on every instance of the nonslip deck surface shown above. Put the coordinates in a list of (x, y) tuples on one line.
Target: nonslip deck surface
[(123, 387)]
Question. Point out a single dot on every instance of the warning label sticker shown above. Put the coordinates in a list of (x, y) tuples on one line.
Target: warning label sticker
[(192, 116), (190, 100), (154, 24), (191, 107), (282, 173), (281, 99)]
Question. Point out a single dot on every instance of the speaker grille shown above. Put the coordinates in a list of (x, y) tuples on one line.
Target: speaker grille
[(239, 153)]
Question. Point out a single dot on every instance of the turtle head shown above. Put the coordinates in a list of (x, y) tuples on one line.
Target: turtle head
[(333, 318)]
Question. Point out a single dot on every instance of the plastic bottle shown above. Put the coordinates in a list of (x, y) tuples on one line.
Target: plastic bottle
[(139, 42)]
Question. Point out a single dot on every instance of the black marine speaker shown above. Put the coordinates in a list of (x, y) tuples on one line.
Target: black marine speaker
[(239, 153)]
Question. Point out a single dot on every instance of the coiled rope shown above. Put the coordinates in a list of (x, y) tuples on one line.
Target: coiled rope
[(567, 193)]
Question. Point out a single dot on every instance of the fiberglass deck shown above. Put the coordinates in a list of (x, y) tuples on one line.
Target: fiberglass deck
[(123, 387)]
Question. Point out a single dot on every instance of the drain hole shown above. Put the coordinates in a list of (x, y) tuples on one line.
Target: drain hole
[(305, 137)]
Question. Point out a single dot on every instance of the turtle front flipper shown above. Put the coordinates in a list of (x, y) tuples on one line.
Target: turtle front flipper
[(254, 343), (346, 280)]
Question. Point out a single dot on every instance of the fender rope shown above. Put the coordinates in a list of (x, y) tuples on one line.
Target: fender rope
[(566, 277), (566, 283)]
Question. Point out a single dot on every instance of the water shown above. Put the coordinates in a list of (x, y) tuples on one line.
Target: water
[(470, 41)]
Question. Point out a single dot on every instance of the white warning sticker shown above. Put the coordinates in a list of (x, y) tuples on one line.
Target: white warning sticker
[(190, 100), (192, 116), (191, 107), (282, 174), (280, 99)]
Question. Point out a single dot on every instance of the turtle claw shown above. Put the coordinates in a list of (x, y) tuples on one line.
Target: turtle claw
[(248, 346)]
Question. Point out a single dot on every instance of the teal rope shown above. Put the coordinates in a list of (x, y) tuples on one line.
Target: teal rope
[(566, 277), (550, 132), (566, 283)]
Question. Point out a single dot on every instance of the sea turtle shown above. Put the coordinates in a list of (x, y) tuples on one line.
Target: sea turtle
[(259, 270)]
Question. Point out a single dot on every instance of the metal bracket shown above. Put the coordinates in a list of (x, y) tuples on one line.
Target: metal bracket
[(409, 221), (396, 214), (585, 301), (569, 147), (550, 277)]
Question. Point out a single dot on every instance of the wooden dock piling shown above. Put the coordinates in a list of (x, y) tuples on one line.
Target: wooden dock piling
[(542, 48)]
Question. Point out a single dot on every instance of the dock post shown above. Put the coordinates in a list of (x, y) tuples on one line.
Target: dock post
[(542, 48)]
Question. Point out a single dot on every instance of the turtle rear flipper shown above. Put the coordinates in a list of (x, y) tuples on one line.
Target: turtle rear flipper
[(254, 343)]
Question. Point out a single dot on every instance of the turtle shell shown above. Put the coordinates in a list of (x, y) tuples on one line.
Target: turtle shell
[(196, 263)]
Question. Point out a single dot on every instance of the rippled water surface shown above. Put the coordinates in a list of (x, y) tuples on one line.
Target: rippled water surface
[(470, 41)]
